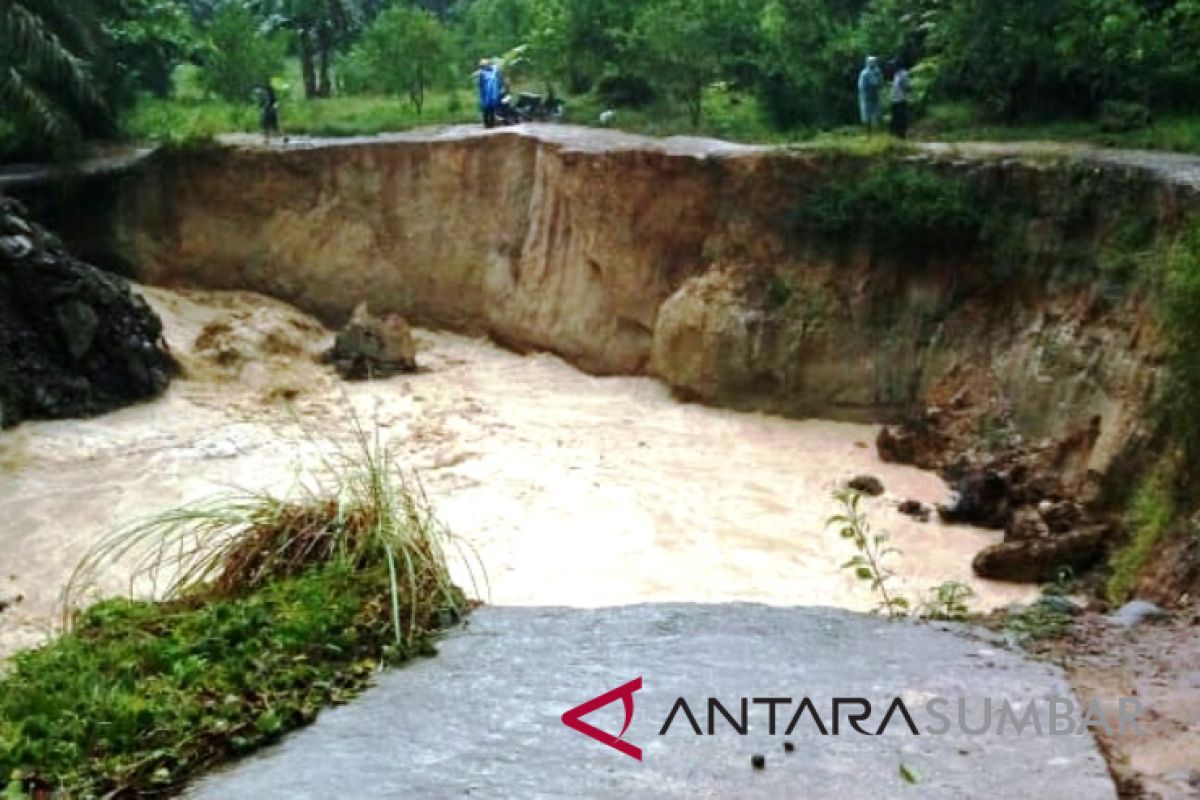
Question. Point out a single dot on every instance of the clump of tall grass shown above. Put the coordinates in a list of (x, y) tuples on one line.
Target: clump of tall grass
[(362, 510), (266, 609)]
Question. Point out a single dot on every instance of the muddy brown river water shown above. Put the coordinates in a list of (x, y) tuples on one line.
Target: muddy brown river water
[(574, 490)]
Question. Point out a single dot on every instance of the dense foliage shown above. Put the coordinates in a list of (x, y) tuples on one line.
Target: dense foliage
[(67, 68), (142, 696)]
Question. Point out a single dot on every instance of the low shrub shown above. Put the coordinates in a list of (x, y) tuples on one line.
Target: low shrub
[(903, 207)]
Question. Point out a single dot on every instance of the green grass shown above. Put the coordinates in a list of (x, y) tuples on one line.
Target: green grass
[(961, 123), (727, 114), (183, 123), (272, 608), (141, 696), (1150, 518)]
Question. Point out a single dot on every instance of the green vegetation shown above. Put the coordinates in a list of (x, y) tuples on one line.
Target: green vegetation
[(1040, 622), (45, 83), (239, 57), (140, 696), (867, 565), (1150, 518), (185, 124), (1181, 319), (898, 207), (1165, 262), (1113, 71), (405, 52), (274, 609), (949, 602)]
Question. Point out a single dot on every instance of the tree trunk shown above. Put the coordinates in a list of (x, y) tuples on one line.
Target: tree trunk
[(324, 55), (418, 94), (306, 64), (694, 100)]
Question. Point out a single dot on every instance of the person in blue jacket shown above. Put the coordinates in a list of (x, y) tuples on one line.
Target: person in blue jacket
[(491, 91), (870, 82)]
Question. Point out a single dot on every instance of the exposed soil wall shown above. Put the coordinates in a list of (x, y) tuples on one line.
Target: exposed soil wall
[(691, 260)]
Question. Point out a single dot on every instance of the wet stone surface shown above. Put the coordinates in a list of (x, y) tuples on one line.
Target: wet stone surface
[(482, 719)]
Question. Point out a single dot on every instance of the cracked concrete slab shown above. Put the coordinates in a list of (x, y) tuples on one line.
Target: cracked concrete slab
[(483, 718)]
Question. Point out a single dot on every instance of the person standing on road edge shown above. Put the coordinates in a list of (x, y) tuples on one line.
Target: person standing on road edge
[(270, 112), (900, 86), (870, 81), (491, 90)]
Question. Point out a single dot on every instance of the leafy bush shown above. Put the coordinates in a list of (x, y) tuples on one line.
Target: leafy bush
[(947, 602), (1122, 117), (405, 52), (240, 58), (898, 206), (626, 91)]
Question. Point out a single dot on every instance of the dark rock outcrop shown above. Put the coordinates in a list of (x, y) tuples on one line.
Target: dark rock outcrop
[(74, 340), (1037, 560), (1038, 495), (914, 509)]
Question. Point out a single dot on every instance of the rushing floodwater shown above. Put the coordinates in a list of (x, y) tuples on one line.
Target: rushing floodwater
[(574, 490)]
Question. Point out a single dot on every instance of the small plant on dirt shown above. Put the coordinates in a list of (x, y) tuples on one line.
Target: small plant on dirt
[(1063, 585), (1038, 623), (873, 548), (949, 602)]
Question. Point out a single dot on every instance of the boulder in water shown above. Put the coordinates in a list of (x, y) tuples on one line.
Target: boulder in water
[(867, 484), (374, 347), (1035, 560)]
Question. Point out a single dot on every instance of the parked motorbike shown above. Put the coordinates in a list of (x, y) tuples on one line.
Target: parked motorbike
[(527, 107)]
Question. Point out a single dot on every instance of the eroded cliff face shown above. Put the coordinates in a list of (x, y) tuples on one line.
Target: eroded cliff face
[(690, 260)]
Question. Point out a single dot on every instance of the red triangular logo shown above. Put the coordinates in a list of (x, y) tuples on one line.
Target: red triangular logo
[(573, 719)]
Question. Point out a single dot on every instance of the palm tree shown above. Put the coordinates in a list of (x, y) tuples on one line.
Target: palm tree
[(46, 81)]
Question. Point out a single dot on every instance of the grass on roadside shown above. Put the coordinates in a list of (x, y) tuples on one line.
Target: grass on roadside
[(272, 609), (957, 122), (184, 123)]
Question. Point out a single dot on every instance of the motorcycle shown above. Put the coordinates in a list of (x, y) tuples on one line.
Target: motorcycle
[(527, 107)]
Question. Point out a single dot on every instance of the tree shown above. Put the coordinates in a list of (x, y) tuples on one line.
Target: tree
[(405, 52), (320, 26), (144, 40), (810, 58), (488, 28), (685, 46), (580, 40), (240, 56), (46, 80)]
